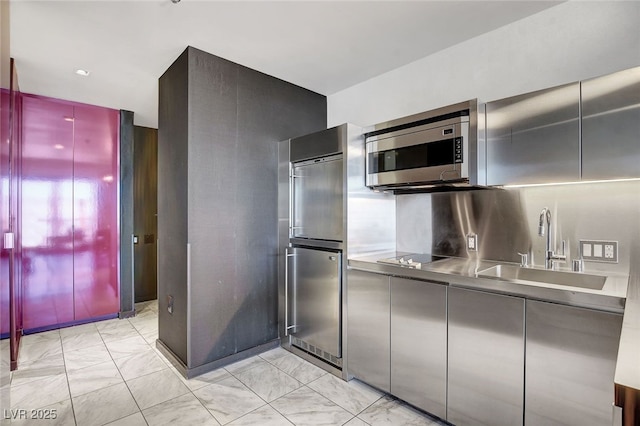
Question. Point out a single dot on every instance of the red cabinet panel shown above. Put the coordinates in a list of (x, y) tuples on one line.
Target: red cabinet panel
[(69, 212), (47, 213), (95, 207), (4, 210)]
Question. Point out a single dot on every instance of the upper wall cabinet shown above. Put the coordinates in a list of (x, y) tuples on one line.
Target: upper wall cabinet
[(587, 130), (611, 126), (535, 137)]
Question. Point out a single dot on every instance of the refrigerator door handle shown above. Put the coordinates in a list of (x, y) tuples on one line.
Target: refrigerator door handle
[(292, 227), (287, 327)]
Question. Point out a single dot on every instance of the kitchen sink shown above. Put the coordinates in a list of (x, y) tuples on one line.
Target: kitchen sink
[(572, 279)]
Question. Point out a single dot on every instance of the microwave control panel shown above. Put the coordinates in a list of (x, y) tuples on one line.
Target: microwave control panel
[(458, 150)]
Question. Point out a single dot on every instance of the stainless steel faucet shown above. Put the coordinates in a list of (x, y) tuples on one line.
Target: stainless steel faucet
[(550, 255)]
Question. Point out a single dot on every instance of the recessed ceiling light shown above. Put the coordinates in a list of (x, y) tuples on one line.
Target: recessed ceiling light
[(68, 119), (108, 178), (82, 72), (58, 146)]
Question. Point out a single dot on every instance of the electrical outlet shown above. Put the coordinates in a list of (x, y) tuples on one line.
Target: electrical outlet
[(608, 251), (170, 304), (599, 251), (472, 242)]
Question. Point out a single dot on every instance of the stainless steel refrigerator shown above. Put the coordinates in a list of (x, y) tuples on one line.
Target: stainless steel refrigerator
[(325, 214), (313, 271)]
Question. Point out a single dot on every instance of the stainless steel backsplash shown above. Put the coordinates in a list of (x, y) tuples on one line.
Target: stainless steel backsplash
[(506, 221)]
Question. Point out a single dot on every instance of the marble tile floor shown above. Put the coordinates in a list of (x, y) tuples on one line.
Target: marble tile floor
[(110, 373)]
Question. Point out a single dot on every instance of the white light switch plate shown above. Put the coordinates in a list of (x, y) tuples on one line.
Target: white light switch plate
[(8, 240), (597, 250)]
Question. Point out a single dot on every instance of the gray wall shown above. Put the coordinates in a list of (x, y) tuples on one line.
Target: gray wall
[(235, 118), (572, 41), (506, 221), (172, 204)]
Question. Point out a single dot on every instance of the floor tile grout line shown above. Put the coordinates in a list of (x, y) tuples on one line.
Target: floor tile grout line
[(125, 383), (251, 390), (37, 359), (313, 390), (369, 406), (97, 390), (272, 362), (203, 406), (242, 371), (66, 374), (324, 375), (43, 378), (164, 402), (268, 402), (304, 362), (259, 408), (337, 403), (249, 369)]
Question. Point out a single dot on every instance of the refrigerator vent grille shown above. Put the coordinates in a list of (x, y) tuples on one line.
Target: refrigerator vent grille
[(316, 351)]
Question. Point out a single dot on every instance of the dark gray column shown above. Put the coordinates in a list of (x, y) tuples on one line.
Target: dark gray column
[(173, 170), (217, 163), (126, 214)]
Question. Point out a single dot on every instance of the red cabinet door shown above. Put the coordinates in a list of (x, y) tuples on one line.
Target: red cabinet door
[(69, 212), (47, 213), (95, 212), (5, 218)]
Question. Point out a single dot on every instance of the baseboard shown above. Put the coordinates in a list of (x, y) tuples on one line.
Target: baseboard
[(189, 373), (127, 314), (69, 324)]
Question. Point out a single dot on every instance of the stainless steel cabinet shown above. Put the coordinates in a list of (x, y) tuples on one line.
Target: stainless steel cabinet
[(611, 126), (586, 130), (486, 358), (368, 331), (535, 137), (419, 344), (318, 199), (571, 356)]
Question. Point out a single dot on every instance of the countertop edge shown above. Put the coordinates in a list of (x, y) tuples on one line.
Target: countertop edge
[(556, 294), (627, 372)]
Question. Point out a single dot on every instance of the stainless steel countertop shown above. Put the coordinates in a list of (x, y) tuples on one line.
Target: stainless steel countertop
[(620, 294), (628, 364), (463, 273)]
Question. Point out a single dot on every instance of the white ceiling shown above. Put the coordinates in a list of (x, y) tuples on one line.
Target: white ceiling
[(322, 46)]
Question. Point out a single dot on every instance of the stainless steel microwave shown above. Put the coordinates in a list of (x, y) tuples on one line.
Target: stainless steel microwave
[(437, 148)]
